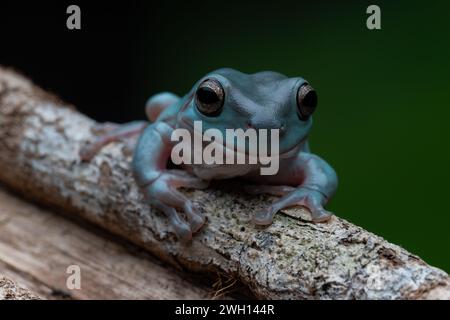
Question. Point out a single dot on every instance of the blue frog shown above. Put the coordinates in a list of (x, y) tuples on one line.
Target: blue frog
[(225, 99)]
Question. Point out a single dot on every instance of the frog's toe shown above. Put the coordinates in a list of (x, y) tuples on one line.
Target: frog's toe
[(196, 219), (264, 217), (181, 227), (183, 232), (89, 150), (104, 128), (197, 223), (313, 202), (320, 215)]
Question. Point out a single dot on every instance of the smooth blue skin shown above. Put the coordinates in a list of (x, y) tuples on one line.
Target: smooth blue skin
[(264, 100)]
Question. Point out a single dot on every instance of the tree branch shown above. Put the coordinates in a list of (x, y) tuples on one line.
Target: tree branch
[(11, 291), (40, 138)]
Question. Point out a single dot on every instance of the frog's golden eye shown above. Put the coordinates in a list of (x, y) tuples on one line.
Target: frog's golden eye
[(306, 101), (209, 97)]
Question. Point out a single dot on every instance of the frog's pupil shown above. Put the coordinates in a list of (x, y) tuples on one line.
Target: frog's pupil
[(207, 95), (310, 100)]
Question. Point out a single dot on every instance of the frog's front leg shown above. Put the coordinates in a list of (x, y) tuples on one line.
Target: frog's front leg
[(159, 184), (315, 182)]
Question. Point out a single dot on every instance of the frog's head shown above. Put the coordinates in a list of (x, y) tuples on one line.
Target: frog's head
[(228, 99)]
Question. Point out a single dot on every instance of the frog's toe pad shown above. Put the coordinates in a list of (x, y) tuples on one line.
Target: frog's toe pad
[(263, 217), (321, 216), (197, 223), (183, 232)]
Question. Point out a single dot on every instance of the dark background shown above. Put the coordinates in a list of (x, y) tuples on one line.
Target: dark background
[(383, 118)]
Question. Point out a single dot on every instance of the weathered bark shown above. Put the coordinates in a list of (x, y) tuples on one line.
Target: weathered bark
[(40, 138), (9, 290), (37, 246)]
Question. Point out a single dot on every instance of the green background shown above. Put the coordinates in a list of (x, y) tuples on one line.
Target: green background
[(383, 116)]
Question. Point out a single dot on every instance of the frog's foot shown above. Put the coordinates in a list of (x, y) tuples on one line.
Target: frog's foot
[(164, 195), (104, 128), (111, 133), (311, 199)]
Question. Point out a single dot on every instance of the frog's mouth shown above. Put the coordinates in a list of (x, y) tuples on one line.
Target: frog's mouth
[(232, 149)]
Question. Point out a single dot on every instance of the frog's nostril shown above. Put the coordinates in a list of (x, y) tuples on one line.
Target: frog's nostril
[(269, 125)]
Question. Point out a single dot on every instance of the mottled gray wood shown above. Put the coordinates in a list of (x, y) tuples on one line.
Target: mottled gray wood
[(37, 246), (40, 138), (10, 290)]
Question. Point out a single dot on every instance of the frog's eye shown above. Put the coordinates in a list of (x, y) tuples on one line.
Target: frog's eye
[(209, 97), (306, 101)]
